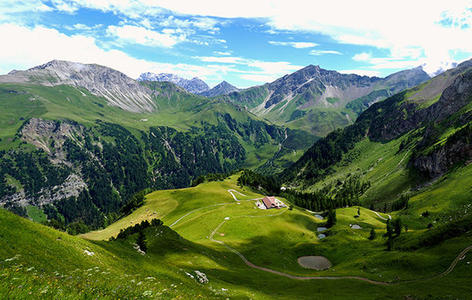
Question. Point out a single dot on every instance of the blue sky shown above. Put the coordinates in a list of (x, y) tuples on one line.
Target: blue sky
[(244, 42)]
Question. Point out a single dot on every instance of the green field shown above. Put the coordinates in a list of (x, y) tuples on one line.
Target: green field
[(274, 239)]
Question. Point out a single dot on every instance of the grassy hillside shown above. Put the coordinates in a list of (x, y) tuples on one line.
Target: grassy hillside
[(41, 262), (274, 239)]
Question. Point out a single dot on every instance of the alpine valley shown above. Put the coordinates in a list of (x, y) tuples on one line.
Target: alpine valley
[(318, 185)]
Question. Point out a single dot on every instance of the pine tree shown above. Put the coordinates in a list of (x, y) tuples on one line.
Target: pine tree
[(141, 241), (397, 225), (389, 235), (372, 234), (331, 218)]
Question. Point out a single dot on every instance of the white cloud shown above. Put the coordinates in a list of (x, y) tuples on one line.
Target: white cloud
[(298, 45), (391, 62), (199, 23), (139, 35), (433, 28), (364, 56), (322, 52), (254, 70), (50, 44)]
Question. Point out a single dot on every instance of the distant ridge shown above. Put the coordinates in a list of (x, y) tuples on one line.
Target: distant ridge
[(194, 85), (223, 88)]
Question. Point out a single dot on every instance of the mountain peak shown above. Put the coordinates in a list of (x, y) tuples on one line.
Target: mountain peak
[(194, 85), (223, 88), (117, 88)]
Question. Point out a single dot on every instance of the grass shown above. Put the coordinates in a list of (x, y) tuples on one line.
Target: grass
[(277, 241), (269, 238)]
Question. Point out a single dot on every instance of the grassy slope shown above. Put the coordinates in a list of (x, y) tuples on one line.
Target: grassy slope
[(276, 241)]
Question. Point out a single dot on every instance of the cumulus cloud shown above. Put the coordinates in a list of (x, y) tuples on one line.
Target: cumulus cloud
[(254, 70), (51, 44), (139, 35), (435, 29), (83, 27)]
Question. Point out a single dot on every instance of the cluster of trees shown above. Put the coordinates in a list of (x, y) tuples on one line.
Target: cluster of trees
[(136, 201), (255, 132), (210, 177), (319, 159), (401, 203), (124, 233), (179, 157), (439, 234), (32, 169), (340, 194), (267, 184)]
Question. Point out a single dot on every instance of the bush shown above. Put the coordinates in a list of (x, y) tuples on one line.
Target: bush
[(77, 228)]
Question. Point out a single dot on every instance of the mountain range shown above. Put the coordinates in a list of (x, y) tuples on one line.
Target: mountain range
[(148, 190), (319, 100), (194, 85)]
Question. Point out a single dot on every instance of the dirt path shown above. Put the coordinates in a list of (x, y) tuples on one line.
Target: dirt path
[(231, 191), (251, 265), (197, 209), (385, 219)]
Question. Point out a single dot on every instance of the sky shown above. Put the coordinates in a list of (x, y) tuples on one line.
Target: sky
[(243, 42)]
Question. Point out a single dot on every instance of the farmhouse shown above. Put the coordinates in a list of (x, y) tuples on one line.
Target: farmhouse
[(272, 202)]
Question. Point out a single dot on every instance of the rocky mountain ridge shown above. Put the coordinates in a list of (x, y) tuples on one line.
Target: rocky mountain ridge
[(312, 94), (223, 88), (194, 85), (117, 88)]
